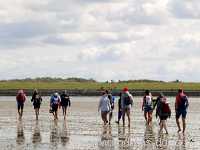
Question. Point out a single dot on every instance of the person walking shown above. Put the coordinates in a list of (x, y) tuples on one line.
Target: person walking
[(181, 106), (147, 106), (119, 108), (163, 111), (65, 102), (126, 104), (104, 106), (20, 98), (54, 104), (112, 100), (36, 100)]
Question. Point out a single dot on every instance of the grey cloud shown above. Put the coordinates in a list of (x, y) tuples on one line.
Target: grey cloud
[(185, 9)]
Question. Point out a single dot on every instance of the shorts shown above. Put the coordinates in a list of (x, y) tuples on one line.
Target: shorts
[(182, 113), (54, 107), (37, 105), (148, 109), (20, 105), (163, 117)]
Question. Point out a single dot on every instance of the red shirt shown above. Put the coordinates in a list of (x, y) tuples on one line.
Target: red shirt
[(178, 100), (21, 97)]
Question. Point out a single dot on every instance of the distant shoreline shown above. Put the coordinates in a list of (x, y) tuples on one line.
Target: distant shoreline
[(89, 92)]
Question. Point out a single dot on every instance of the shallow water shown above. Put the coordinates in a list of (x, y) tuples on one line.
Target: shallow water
[(84, 130)]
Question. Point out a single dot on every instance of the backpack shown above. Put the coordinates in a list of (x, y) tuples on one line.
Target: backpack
[(21, 97), (55, 100), (166, 111), (184, 103), (127, 100), (148, 100), (166, 108)]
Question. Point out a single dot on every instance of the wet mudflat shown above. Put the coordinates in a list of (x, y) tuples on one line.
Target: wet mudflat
[(83, 128)]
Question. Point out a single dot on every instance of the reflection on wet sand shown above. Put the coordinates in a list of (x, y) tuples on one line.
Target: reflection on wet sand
[(20, 139), (180, 144), (149, 138), (64, 135), (36, 137), (54, 135), (124, 138), (106, 141), (162, 142)]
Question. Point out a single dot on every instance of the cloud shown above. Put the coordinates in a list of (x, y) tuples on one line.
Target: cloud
[(185, 9), (101, 39)]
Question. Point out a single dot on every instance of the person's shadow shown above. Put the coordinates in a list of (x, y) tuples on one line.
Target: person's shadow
[(106, 139), (64, 135), (180, 143), (149, 138), (36, 136), (162, 141), (124, 138), (20, 139), (54, 135)]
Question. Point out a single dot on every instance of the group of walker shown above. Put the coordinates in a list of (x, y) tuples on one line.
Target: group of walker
[(161, 105), (56, 101), (106, 106)]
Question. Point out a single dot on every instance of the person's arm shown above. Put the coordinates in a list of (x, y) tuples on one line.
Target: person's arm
[(32, 98), (187, 103), (169, 111), (99, 106), (176, 103), (69, 102), (131, 97), (50, 104), (24, 97), (143, 103)]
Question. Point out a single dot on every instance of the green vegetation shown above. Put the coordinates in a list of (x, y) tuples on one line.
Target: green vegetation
[(80, 83)]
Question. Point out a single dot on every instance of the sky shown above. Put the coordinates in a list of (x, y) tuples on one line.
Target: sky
[(100, 39)]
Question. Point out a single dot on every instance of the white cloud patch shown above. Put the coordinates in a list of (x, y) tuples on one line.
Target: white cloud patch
[(101, 39), (185, 9)]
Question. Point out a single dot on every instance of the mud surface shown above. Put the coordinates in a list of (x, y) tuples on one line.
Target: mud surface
[(83, 128)]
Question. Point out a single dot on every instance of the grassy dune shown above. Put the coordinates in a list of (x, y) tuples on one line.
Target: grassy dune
[(98, 85)]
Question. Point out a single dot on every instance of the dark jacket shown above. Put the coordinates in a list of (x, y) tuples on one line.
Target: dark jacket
[(65, 100)]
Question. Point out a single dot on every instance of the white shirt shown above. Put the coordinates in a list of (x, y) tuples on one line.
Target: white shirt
[(104, 103)]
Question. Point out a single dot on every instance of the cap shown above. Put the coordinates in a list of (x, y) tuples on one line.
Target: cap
[(125, 89)]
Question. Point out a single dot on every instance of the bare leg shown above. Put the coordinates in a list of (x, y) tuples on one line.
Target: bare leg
[(161, 126), (103, 116), (21, 112), (129, 119), (145, 116), (123, 117), (56, 114), (110, 117), (165, 126), (178, 124), (184, 124), (149, 117), (65, 112), (36, 115)]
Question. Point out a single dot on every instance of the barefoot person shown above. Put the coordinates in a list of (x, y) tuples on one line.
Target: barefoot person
[(112, 99), (181, 106), (20, 98), (36, 100), (147, 107), (54, 104), (119, 108), (104, 106), (163, 111), (65, 102), (126, 104)]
